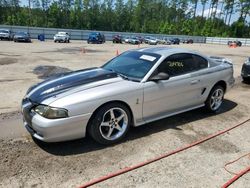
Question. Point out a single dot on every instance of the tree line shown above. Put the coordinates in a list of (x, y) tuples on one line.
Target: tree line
[(178, 17)]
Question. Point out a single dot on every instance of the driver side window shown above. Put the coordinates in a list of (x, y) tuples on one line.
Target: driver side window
[(176, 64), (182, 63)]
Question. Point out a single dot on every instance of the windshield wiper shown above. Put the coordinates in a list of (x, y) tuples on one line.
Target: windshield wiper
[(123, 76), (120, 74)]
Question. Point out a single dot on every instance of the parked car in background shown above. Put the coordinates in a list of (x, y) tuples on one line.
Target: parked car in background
[(22, 37), (141, 39), (167, 41), (6, 34), (137, 87), (134, 40), (161, 41), (117, 39), (188, 41), (62, 37), (152, 41), (245, 71), (236, 43), (146, 39), (175, 41), (126, 39), (96, 38)]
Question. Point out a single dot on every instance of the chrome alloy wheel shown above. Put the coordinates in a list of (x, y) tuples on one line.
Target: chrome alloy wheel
[(114, 123), (216, 99)]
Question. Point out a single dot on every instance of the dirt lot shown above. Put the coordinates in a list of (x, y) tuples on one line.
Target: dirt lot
[(25, 163)]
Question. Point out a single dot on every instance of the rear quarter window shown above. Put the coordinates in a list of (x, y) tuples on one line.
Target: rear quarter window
[(199, 62)]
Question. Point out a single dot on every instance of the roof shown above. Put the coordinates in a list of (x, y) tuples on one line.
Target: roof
[(166, 51), (62, 32)]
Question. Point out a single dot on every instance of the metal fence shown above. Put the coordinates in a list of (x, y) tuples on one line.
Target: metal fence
[(83, 35), (220, 40)]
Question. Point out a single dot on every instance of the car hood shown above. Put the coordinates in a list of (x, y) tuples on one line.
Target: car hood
[(2, 33), (93, 37), (71, 82)]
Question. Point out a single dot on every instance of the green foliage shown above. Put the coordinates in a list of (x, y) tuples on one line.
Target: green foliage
[(147, 16)]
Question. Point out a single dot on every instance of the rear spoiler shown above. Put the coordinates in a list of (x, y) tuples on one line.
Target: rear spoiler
[(221, 60)]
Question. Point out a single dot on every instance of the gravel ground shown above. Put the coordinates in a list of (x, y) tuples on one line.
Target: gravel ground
[(28, 163)]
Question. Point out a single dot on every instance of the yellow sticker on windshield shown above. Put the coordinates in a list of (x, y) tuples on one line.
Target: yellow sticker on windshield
[(176, 64)]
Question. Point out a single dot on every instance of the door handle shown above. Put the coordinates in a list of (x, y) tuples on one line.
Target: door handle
[(193, 82)]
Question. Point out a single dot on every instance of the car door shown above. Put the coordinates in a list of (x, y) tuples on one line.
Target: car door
[(180, 92)]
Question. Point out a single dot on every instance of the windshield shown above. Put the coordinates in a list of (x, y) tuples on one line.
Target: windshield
[(22, 33), (133, 64), (62, 33), (94, 34), (4, 31)]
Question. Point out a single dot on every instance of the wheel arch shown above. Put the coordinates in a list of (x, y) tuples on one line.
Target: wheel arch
[(110, 102), (221, 83), (208, 106)]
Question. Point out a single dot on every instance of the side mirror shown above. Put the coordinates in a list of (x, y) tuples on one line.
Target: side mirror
[(159, 76)]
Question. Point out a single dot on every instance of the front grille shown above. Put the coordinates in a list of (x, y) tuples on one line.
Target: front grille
[(27, 105), (27, 117)]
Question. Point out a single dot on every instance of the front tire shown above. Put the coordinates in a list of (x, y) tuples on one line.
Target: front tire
[(110, 124), (215, 99)]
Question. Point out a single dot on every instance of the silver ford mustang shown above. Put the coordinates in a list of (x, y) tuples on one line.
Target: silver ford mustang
[(135, 88)]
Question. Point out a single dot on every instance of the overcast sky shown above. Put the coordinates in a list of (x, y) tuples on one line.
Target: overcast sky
[(235, 16)]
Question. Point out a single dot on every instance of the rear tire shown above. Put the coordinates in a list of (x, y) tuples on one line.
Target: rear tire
[(110, 123), (215, 99)]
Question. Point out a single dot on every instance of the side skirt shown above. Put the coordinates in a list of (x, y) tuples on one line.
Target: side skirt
[(168, 115)]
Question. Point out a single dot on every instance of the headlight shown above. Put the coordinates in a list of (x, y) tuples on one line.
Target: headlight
[(51, 112)]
